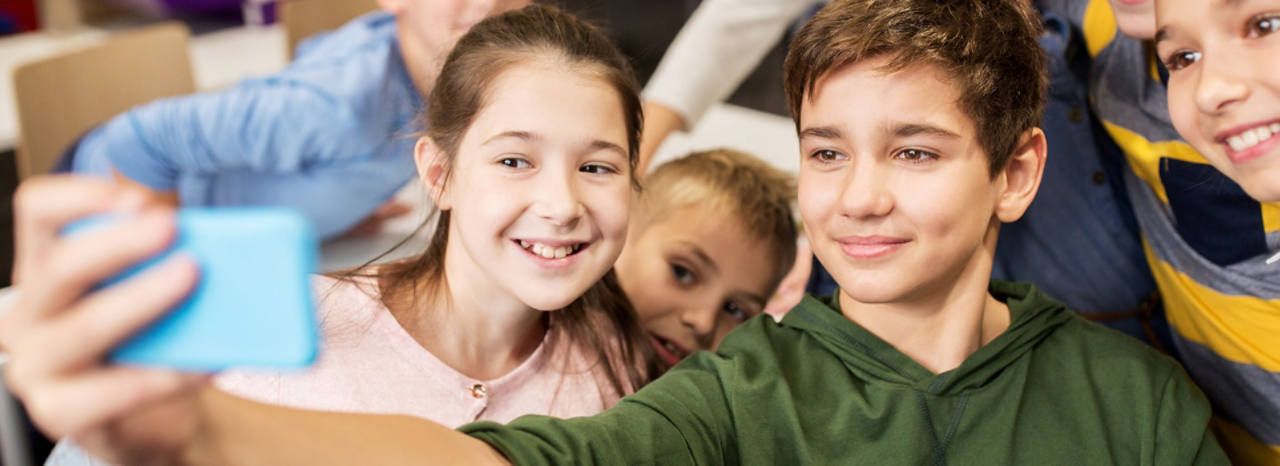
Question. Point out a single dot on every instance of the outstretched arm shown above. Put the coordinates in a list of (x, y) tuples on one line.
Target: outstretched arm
[(238, 431)]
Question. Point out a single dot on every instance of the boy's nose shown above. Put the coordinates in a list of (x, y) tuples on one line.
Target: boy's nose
[(701, 320), (866, 193), (1220, 85)]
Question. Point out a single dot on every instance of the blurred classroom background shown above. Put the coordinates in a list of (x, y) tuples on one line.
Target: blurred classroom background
[(67, 65)]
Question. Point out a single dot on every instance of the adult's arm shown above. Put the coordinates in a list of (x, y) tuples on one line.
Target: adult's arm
[(714, 51)]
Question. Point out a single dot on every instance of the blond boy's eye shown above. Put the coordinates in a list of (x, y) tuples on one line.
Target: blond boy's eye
[(682, 275), (735, 311), (1181, 59), (1261, 26)]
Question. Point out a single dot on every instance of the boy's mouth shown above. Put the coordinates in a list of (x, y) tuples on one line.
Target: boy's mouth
[(670, 352), (1248, 142), (549, 250)]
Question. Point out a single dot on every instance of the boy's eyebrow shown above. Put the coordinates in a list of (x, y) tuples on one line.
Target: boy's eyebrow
[(821, 132), (701, 255), (912, 129), (1162, 34), (752, 297)]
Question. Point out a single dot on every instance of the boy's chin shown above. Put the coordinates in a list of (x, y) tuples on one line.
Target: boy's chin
[(873, 293), (1137, 27), (1263, 189)]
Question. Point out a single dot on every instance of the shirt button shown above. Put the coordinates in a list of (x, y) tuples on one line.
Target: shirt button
[(1076, 115), (1099, 178), (478, 391)]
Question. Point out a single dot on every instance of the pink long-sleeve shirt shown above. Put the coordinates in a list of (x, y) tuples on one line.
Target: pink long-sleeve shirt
[(370, 364)]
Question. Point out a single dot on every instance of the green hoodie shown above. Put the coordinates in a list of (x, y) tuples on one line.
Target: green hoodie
[(817, 388)]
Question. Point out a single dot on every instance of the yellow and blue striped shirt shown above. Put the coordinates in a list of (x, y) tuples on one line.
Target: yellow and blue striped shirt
[(1205, 240)]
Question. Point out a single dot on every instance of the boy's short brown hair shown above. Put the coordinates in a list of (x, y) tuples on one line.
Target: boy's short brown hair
[(988, 46), (754, 193)]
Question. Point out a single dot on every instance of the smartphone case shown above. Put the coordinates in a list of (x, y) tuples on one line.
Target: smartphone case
[(253, 305)]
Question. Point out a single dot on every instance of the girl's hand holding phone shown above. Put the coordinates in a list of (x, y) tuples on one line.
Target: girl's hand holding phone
[(59, 333)]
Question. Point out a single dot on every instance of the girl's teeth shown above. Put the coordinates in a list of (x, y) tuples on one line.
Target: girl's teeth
[(549, 252), (1275, 128)]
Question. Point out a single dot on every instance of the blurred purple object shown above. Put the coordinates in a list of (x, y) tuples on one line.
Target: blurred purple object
[(254, 11)]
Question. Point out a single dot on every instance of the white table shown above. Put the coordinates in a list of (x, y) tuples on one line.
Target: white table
[(218, 59)]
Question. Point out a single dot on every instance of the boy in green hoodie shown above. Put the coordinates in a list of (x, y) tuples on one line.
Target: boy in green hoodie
[(917, 122)]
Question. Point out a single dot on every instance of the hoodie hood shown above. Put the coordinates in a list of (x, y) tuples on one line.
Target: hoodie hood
[(1033, 317)]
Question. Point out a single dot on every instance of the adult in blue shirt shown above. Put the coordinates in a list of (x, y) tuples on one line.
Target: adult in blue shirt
[(330, 135)]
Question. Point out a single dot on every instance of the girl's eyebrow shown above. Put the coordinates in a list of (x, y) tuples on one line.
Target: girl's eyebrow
[(521, 135), (598, 145), (595, 145)]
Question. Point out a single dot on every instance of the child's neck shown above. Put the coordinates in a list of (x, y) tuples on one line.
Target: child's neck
[(939, 330), (422, 66), (468, 325)]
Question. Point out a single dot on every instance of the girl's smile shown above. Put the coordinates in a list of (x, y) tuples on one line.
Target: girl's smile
[(552, 254)]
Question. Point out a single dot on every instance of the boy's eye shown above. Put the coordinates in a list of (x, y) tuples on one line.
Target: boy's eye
[(1261, 26), (682, 275), (1181, 59), (597, 169), (515, 162), (827, 155), (915, 155), (735, 311)]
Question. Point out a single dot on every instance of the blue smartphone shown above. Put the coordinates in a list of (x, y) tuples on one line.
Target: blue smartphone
[(252, 307)]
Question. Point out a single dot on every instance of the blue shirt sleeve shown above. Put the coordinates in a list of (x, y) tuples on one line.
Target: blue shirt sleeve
[(268, 127)]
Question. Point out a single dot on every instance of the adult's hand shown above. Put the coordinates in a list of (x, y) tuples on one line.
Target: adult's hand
[(659, 122)]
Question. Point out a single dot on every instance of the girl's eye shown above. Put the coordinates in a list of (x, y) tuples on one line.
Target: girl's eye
[(827, 155), (515, 162), (735, 311), (597, 169), (915, 155), (1181, 59), (683, 275), (1261, 26)]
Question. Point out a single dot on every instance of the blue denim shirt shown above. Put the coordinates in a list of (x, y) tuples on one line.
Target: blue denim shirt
[(330, 135), (1079, 241)]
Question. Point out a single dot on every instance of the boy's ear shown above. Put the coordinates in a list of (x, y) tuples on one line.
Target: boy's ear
[(1022, 176), (433, 170)]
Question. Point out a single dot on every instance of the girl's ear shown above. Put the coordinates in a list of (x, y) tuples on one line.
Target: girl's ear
[(1022, 176), (433, 169)]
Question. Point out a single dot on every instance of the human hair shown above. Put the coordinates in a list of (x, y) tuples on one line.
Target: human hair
[(988, 47), (732, 183), (602, 319)]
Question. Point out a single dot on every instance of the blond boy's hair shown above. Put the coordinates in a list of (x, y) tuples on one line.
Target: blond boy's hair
[(755, 194)]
